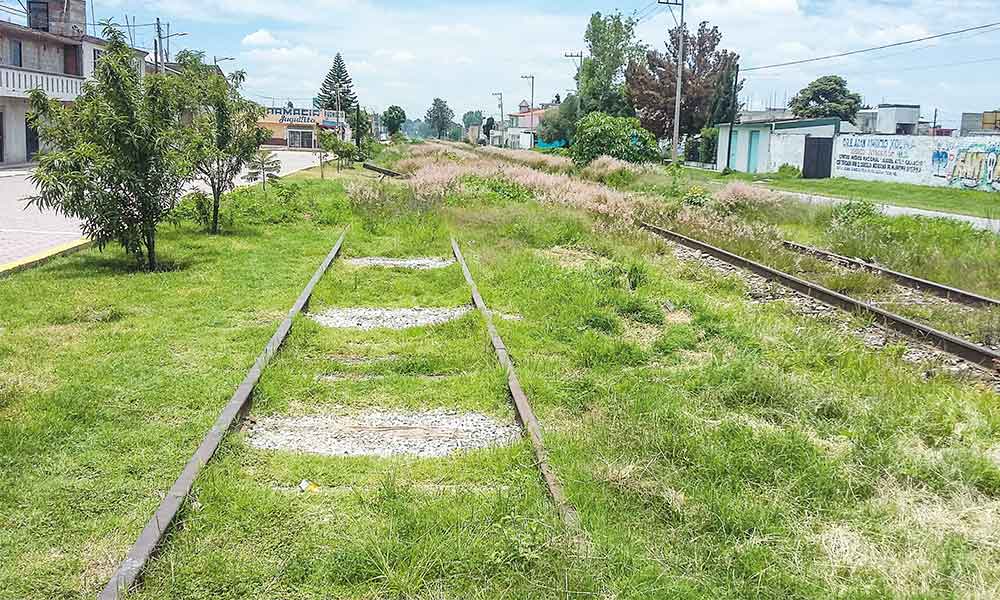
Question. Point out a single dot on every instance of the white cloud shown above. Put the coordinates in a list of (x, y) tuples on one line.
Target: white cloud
[(459, 29), (261, 37)]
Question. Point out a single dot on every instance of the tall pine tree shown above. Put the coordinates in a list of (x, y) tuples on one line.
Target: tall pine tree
[(337, 78)]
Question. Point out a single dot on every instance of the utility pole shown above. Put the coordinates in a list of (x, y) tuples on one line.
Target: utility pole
[(680, 77), (503, 119), (735, 113), (157, 44), (934, 128), (532, 109), (576, 56)]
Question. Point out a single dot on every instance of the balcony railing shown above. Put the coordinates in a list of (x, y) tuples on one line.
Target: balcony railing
[(18, 83)]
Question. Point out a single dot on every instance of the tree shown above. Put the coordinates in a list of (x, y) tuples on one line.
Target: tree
[(337, 84), (489, 126), (623, 138), (224, 125), (455, 132), (725, 106), (559, 123), (393, 119), (652, 83), (361, 124), (117, 158), (263, 167), (472, 118), (330, 143), (439, 117), (601, 79), (826, 97)]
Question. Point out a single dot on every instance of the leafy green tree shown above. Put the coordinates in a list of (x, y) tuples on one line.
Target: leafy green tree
[(117, 158), (361, 124), (224, 125), (263, 167), (473, 117), (826, 97), (337, 84), (331, 143), (393, 119), (623, 138), (455, 132), (709, 145), (559, 123), (439, 117), (613, 45)]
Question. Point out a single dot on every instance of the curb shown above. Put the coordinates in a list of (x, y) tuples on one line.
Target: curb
[(44, 257)]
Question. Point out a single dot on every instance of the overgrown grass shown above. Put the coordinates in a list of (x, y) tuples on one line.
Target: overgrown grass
[(965, 202), (714, 447)]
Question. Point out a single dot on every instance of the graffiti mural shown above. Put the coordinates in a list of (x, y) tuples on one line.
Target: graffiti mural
[(974, 166), (967, 163)]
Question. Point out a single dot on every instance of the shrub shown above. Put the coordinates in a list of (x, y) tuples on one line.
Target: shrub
[(739, 197), (709, 146), (613, 172), (850, 213), (398, 138), (195, 207), (619, 137), (696, 196), (692, 149), (249, 205), (787, 171)]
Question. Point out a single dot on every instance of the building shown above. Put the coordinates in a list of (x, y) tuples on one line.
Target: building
[(52, 53), (764, 146), (523, 129), (299, 127), (890, 119), (984, 123)]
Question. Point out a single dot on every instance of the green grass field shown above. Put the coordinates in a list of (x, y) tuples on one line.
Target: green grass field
[(714, 447), (942, 199)]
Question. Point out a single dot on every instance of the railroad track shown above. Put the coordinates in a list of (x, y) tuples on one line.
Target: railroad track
[(923, 285), (129, 572), (973, 353)]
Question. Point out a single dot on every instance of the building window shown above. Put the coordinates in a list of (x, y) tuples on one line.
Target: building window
[(15, 53), (38, 15), (97, 56)]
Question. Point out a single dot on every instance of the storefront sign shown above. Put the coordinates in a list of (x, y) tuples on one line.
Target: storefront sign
[(303, 116)]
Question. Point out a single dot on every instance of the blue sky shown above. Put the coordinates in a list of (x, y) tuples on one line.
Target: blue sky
[(407, 53)]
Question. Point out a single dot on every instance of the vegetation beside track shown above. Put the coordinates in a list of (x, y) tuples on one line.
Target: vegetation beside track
[(944, 199), (714, 447)]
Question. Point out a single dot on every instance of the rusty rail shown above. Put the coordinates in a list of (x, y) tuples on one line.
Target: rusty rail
[(945, 341), (383, 171), (521, 405), (155, 531), (924, 285)]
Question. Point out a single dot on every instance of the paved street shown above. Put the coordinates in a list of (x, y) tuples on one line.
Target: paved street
[(27, 232)]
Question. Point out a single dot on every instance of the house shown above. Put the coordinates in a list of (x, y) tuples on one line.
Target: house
[(763, 146), (984, 123), (523, 129), (891, 119), (292, 127), (52, 53)]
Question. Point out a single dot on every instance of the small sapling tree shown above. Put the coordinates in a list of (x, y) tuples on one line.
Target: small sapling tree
[(117, 158), (263, 167)]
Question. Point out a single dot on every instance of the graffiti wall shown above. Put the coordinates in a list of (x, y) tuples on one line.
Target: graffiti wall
[(969, 162)]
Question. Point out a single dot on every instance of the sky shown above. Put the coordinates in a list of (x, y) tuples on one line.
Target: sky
[(407, 53)]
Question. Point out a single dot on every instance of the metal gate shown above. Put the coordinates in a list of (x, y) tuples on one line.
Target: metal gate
[(818, 160)]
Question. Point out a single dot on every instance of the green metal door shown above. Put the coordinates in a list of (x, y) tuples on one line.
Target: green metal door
[(752, 153)]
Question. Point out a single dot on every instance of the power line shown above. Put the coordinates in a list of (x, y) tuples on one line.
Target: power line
[(883, 47), (923, 67)]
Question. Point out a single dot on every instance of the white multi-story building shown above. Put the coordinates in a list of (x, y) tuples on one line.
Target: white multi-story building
[(52, 53)]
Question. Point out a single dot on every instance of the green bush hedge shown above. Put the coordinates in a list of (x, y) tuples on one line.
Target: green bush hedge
[(623, 138)]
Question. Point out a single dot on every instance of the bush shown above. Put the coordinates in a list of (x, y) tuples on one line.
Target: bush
[(398, 138), (618, 137), (696, 196), (850, 213), (709, 146), (692, 149), (195, 207), (787, 171), (249, 205)]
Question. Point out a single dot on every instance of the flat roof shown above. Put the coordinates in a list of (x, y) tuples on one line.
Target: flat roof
[(917, 106)]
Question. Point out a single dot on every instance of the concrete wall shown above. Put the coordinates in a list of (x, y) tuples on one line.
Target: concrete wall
[(959, 162), (14, 114), (787, 149), (35, 55), (69, 21)]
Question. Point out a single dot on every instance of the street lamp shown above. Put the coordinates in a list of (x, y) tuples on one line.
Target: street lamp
[(218, 59), (532, 109)]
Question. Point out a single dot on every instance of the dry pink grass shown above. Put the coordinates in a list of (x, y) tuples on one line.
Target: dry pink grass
[(743, 195), (548, 162), (433, 177), (604, 167)]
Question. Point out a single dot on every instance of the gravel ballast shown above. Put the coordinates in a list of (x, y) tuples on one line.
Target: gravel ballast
[(425, 434), (367, 319), (421, 263)]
